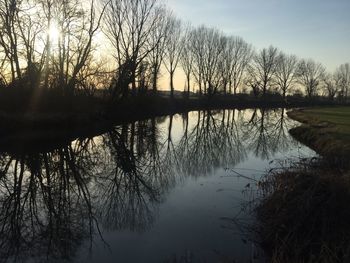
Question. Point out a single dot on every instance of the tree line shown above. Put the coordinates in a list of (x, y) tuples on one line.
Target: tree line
[(147, 41)]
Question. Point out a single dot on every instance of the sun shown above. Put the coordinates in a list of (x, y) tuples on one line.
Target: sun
[(53, 32)]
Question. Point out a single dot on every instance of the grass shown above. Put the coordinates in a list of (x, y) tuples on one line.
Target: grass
[(337, 117), (304, 214), (325, 129)]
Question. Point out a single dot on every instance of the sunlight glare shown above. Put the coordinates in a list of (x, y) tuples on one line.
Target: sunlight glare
[(53, 32)]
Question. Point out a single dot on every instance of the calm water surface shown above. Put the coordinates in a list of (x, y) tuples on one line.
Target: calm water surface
[(169, 189)]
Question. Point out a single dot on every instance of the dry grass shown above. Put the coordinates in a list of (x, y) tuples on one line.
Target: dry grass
[(304, 215)]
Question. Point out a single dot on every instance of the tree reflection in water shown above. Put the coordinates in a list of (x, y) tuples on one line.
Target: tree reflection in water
[(50, 202), (128, 190), (266, 132), (45, 202), (213, 141)]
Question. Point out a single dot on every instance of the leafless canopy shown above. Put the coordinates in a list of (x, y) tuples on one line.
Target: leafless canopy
[(285, 75), (263, 69), (310, 75)]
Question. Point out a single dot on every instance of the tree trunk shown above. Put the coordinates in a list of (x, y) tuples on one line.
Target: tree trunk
[(172, 84), (264, 90), (133, 82), (188, 85), (48, 53), (12, 71), (155, 74)]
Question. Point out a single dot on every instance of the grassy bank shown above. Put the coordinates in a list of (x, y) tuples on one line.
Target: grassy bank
[(325, 129), (303, 214)]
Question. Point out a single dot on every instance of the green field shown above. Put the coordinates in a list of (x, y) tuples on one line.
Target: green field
[(338, 116), (325, 128)]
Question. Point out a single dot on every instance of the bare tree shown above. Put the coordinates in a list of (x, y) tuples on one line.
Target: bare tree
[(75, 45), (310, 74), (21, 29), (173, 49), (9, 16), (214, 46), (47, 6), (129, 27), (158, 39), (263, 68), (343, 75), (224, 66), (145, 36), (33, 56), (285, 76), (208, 45), (253, 83), (3, 77), (30, 29), (187, 57), (239, 55), (197, 50), (331, 85), (95, 75)]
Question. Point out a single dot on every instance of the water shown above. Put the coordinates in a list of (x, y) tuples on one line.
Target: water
[(180, 188)]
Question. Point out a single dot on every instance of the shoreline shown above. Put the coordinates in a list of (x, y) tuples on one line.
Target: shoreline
[(323, 136), (96, 116)]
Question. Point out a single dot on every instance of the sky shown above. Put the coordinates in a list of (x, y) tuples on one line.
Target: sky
[(317, 29)]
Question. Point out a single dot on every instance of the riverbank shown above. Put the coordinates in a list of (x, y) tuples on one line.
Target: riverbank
[(303, 214), (324, 129)]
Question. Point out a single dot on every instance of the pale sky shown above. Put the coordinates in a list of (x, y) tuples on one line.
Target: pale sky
[(318, 29)]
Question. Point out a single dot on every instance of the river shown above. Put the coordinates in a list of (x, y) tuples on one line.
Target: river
[(179, 188)]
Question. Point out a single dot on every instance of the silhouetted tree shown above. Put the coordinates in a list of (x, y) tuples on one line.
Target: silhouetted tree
[(173, 49), (285, 74), (343, 76), (208, 45), (214, 46), (159, 39), (332, 85), (9, 34), (34, 57), (47, 7), (310, 74), (130, 26), (197, 51), (187, 57), (237, 56), (263, 68)]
